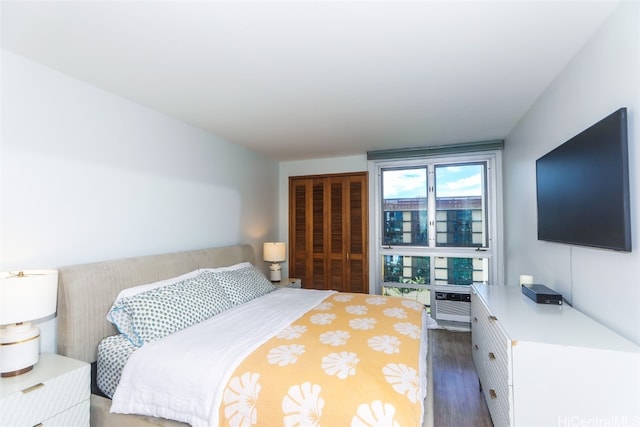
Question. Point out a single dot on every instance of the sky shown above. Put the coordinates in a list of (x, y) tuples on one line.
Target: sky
[(451, 181)]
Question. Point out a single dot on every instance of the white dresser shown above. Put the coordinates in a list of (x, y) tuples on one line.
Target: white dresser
[(54, 393), (549, 365)]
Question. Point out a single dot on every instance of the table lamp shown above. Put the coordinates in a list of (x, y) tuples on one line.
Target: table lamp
[(24, 296), (275, 252)]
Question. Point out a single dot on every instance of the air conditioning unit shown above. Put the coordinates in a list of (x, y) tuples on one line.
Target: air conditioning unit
[(453, 306)]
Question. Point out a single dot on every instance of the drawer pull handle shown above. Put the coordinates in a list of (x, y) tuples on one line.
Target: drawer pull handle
[(475, 346), (32, 388), (492, 356), (493, 394), (493, 318), (475, 319), (39, 425)]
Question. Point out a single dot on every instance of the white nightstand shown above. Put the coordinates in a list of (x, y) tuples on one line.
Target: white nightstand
[(288, 282), (55, 393)]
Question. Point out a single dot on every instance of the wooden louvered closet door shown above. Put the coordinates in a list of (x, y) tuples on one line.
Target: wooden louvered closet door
[(328, 231)]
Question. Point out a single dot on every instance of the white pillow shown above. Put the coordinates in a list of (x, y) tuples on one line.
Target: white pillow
[(229, 268), (129, 292)]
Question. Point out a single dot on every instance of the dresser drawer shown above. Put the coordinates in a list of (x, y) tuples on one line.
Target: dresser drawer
[(497, 390), (75, 416), (55, 386), (479, 327), (490, 350)]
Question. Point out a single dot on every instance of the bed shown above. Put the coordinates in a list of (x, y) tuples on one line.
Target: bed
[(87, 293)]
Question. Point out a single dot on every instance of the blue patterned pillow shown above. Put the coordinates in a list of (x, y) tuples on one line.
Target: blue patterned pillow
[(158, 312), (243, 284)]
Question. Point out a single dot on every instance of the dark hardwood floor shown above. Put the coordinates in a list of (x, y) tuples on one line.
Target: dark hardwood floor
[(458, 401)]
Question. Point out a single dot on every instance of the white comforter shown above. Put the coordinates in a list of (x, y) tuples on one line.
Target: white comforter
[(182, 376)]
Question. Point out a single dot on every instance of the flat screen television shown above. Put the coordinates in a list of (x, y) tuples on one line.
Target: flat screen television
[(583, 188)]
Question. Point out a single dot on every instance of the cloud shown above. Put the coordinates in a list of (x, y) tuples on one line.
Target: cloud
[(451, 181), (405, 183), (461, 187)]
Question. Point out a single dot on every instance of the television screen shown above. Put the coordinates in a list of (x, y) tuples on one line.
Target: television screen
[(583, 188)]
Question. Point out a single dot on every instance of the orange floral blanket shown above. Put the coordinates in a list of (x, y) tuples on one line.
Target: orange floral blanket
[(354, 359)]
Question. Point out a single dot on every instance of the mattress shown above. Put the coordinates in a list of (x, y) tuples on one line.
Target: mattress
[(113, 353)]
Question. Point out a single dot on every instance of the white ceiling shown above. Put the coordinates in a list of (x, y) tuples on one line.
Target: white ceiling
[(300, 80)]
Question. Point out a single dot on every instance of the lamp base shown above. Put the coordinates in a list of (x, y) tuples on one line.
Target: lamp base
[(275, 274), (19, 349), (16, 373)]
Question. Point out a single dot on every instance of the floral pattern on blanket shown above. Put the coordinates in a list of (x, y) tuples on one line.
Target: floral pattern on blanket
[(352, 360)]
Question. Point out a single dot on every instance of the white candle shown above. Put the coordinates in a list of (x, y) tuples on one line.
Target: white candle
[(525, 279)]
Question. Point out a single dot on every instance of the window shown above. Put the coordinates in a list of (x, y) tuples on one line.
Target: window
[(435, 223), (460, 205)]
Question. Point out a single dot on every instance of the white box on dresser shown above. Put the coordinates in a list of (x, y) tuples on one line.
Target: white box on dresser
[(55, 392), (549, 365)]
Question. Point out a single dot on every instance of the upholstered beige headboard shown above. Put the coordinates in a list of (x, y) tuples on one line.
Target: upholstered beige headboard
[(86, 291)]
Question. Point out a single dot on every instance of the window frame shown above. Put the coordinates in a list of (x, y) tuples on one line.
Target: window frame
[(493, 204)]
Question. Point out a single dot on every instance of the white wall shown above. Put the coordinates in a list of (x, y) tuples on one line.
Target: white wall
[(601, 78), (310, 167), (89, 176)]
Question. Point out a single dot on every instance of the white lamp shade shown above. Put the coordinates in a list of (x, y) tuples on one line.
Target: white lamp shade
[(274, 251), (28, 296)]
